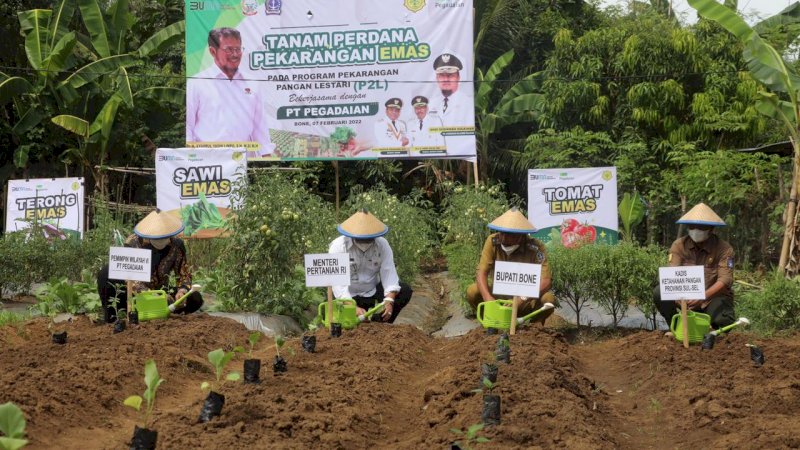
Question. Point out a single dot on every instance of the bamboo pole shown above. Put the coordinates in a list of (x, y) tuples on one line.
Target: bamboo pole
[(336, 172), (791, 211)]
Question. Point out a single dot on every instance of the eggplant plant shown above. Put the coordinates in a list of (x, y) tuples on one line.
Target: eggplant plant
[(215, 401), (491, 403), (12, 426), (144, 438), (252, 367), (280, 363)]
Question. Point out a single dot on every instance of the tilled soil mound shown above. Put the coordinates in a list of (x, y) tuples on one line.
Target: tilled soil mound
[(665, 396), (382, 386)]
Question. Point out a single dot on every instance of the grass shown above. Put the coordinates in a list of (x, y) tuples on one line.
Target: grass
[(12, 318)]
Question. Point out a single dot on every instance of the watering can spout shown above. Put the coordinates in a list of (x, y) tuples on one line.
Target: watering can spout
[(545, 307)]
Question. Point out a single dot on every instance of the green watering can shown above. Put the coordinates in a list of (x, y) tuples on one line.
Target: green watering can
[(698, 325), (344, 313), (495, 314), (151, 305)]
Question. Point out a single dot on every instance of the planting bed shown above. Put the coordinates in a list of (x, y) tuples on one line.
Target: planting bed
[(386, 386)]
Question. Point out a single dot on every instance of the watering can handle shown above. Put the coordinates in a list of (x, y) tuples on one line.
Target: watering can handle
[(672, 324), (321, 310), (479, 312)]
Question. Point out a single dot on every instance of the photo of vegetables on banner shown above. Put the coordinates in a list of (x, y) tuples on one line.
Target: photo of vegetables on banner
[(574, 206), (54, 204), (196, 185), (331, 80)]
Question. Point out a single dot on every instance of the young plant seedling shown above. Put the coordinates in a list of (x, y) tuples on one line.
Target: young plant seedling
[(252, 367), (152, 380), (491, 404), (280, 364), (253, 339), (219, 359), (12, 426), (469, 436)]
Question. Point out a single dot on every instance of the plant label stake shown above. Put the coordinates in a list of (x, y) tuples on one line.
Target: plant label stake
[(326, 270), (514, 307), (685, 321)]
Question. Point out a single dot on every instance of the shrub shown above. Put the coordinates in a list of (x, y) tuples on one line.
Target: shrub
[(278, 222), (411, 226), (775, 307), (615, 276)]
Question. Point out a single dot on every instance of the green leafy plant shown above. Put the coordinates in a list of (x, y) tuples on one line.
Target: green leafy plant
[(12, 425), (470, 437), (219, 358), (342, 134), (773, 307), (61, 295), (631, 211), (201, 215), (487, 388), (279, 343), (253, 339), (152, 380)]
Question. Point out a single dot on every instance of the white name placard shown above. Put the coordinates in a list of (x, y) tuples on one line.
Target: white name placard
[(518, 279), (327, 269), (129, 264), (682, 283)]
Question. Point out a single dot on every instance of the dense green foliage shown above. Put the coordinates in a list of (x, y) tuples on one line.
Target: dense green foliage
[(772, 308)]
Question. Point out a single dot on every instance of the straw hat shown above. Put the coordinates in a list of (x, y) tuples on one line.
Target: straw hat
[(158, 225), (363, 225), (701, 214), (512, 221)]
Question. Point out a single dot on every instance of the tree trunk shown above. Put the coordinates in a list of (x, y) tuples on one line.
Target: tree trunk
[(790, 218)]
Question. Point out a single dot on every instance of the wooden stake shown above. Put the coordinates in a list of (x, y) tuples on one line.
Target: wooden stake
[(330, 307), (336, 172), (129, 292), (514, 308), (684, 321), (475, 172)]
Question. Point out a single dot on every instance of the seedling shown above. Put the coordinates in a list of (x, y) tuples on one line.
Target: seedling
[(253, 339), (12, 425), (219, 359), (280, 364), (469, 436), (152, 380), (487, 388)]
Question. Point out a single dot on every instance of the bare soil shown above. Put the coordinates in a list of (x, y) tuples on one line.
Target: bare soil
[(383, 386)]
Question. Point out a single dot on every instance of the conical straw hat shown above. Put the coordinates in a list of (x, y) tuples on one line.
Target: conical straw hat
[(512, 221), (158, 225), (701, 214), (363, 225)]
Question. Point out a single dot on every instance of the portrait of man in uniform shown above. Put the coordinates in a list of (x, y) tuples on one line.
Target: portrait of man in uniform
[(221, 105), (450, 103), (390, 131), (419, 126)]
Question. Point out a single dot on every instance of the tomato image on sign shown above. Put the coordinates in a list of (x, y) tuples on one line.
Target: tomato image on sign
[(575, 234)]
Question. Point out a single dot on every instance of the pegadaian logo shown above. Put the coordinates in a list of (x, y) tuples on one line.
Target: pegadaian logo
[(414, 5), (273, 7), (449, 4)]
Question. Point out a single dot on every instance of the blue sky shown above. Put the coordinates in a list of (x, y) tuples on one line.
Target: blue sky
[(753, 10)]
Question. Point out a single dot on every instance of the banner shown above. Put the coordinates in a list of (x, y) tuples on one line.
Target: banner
[(55, 203), (196, 185), (347, 79), (574, 206)]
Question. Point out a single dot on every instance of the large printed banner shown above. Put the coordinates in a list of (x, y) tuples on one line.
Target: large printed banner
[(197, 184), (55, 203), (322, 79), (574, 206)]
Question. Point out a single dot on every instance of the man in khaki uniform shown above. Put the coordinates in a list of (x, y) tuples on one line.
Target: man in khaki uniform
[(701, 247), (511, 243)]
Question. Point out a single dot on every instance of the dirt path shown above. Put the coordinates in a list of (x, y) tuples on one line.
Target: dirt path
[(661, 396)]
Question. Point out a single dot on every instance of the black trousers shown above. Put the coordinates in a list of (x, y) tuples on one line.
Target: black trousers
[(720, 309), (400, 302), (116, 289)]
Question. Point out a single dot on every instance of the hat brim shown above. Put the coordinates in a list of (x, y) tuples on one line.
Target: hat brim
[(362, 236), (394, 106), (447, 69), (419, 104), (701, 222), (511, 230), (157, 236)]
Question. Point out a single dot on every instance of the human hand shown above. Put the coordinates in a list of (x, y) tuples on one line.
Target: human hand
[(181, 292), (694, 304), (387, 311), (360, 311), (405, 141)]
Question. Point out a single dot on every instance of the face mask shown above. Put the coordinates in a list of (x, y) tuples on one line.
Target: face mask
[(509, 249), (699, 235), (363, 246), (159, 244)]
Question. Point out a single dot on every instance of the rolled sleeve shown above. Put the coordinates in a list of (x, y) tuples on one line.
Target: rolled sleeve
[(389, 277), (725, 267)]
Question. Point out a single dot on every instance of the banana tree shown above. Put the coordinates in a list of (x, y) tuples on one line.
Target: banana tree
[(521, 103), (81, 76), (779, 100)]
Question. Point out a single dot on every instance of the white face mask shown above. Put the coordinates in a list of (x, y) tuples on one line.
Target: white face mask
[(509, 249), (363, 246), (699, 235), (159, 244)]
